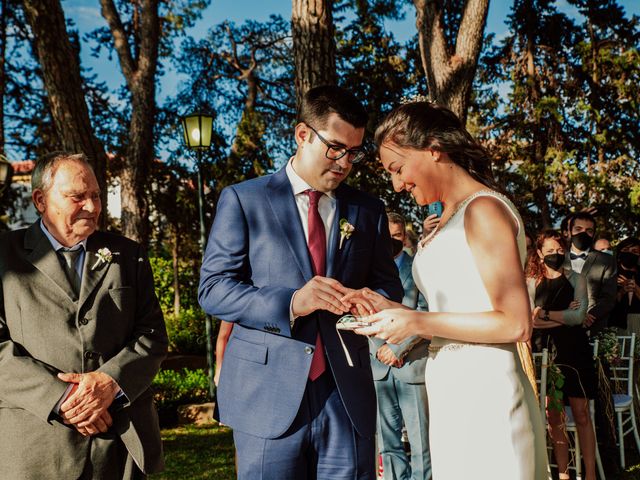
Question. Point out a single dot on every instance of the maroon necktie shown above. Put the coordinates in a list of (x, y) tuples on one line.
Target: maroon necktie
[(318, 250)]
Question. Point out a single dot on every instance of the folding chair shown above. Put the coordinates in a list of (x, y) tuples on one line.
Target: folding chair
[(622, 381)]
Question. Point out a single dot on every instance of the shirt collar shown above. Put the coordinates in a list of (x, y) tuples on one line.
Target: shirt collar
[(297, 183), (56, 244)]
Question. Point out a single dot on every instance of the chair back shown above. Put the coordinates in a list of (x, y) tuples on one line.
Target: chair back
[(622, 368), (541, 363)]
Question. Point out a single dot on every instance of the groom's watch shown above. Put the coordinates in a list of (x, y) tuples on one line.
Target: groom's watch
[(546, 316)]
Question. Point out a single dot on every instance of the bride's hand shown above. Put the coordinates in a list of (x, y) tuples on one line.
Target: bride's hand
[(367, 299), (392, 325)]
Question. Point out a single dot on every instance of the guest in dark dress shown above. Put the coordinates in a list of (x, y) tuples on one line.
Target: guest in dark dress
[(559, 305), (626, 313)]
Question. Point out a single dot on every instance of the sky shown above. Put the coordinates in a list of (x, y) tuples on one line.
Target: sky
[(86, 15)]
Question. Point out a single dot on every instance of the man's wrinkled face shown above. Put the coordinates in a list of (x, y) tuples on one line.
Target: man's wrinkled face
[(71, 206)]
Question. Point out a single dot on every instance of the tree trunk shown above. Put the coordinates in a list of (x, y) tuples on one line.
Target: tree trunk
[(3, 74), (175, 244), (62, 80), (139, 72), (450, 70), (314, 47)]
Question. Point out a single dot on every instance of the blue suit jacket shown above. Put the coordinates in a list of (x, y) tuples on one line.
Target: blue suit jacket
[(414, 350), (256, 258)]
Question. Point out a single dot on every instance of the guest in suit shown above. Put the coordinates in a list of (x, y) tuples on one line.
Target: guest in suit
[(598, 268), (81, 338), (626, 313), (283, 251), (398, 371)]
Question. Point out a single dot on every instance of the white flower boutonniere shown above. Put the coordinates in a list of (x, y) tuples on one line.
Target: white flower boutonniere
[(104, 256), (346, 230)]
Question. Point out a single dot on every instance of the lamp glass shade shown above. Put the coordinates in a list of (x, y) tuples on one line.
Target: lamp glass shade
[(197, 129)]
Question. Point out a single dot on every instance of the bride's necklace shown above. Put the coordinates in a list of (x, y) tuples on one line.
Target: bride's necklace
[(429, 238)]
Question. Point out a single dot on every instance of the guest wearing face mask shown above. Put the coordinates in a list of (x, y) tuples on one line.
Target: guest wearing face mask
[(559, 306), (626, 314), (603, 245), (398, 374), (599, 270)]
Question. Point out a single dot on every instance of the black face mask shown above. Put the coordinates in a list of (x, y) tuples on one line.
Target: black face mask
[(554, 261), (628, 260), (582, 241), (396, 247)]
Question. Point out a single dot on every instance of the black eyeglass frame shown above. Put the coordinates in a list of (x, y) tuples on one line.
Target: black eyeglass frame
[(358, 153)]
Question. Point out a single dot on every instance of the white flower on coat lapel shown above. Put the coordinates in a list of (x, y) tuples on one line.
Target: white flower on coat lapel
[(346, 230), (104, 256)]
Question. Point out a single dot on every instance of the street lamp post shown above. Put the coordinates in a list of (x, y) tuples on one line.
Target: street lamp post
[(197, 128)]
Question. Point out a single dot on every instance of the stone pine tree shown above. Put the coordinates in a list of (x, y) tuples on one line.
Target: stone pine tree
[(137, 48), (63, 82), (314, 46), (450, 34)]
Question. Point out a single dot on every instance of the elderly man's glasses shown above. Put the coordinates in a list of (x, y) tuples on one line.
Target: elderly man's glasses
[(336, 152)]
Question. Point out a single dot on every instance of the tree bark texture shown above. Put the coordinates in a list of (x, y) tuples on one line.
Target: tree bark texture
[(3, 72), (450, 69), (62, 80), (138, 63), (314, 47)]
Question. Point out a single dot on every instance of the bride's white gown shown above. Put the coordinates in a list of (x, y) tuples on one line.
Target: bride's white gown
[(484, 420)]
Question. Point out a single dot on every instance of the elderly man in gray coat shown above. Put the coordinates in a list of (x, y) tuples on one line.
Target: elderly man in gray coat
[(81, 338)]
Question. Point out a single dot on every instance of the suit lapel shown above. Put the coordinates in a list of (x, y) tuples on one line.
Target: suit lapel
[(45, 259), (349, 211), (283, 205), (588, 262), (91, 276)]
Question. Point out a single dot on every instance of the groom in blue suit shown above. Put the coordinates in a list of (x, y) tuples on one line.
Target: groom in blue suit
[(283, 251)]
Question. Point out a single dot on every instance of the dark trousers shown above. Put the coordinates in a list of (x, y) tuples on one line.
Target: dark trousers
[(321, 444), (109, 460)]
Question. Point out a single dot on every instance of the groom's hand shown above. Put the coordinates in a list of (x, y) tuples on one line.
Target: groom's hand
[(320, 293), (93, 396)]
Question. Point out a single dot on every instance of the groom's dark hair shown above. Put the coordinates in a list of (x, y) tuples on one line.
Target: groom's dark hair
[(319, 102)]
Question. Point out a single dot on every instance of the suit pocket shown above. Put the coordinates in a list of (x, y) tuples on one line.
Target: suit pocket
[(247, 351), (123, 298)]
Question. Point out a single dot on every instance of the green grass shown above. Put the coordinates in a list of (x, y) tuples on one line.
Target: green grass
[(206, 453), (198, 453)]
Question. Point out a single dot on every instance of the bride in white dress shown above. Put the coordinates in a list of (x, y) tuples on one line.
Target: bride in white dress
[(484, 419)]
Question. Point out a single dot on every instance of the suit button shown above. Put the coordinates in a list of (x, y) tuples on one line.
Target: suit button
[(88, 355), (308, 350), (84, 321)]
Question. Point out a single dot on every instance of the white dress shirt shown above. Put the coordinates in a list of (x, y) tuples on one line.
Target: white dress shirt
[(578, 263), (326, 208)]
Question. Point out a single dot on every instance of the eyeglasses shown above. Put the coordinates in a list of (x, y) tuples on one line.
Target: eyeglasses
[(336, 152)]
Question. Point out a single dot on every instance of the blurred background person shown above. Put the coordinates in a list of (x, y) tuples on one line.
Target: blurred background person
[(603, 245), (559, 305), (598, 268), (626, 313), (398, 374)]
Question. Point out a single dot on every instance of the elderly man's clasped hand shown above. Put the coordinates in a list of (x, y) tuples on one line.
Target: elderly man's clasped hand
[(85, 407)]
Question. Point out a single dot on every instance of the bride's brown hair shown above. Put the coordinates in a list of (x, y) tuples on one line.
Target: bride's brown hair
[(425, 125)]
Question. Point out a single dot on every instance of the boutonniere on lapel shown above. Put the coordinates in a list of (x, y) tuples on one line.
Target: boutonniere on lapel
[(346, 230), (104, 256)]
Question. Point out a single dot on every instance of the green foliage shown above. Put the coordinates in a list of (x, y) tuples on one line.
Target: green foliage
[(188, 278), (173, 388), (186, 331), (555, 382)]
